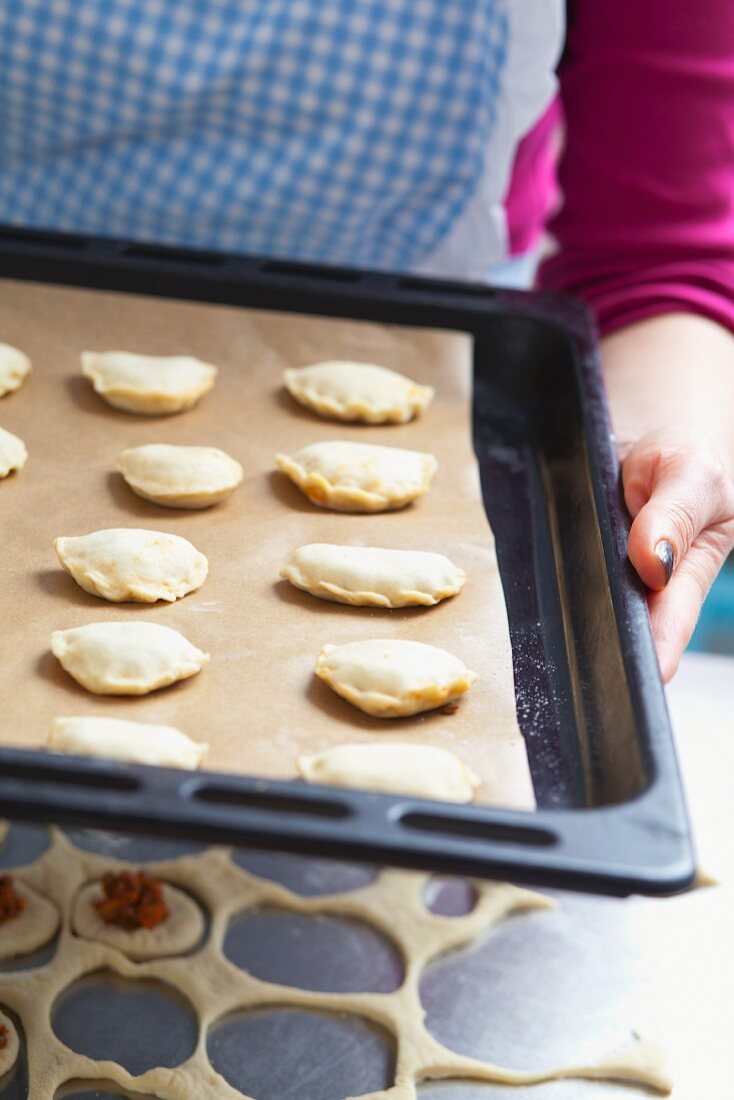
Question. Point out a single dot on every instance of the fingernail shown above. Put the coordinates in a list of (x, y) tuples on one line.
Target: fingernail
[(664, 551)]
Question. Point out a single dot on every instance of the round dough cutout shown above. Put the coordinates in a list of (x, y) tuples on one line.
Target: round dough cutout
[(9, 1053), (32, 929), (178, 933)]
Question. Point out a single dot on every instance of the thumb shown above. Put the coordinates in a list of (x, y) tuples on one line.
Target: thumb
[(675, 487)]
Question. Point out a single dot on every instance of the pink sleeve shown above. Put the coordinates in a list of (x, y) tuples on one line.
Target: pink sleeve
[(532, 192), (647, 224)]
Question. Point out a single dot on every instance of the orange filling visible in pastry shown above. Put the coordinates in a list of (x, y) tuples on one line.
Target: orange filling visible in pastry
[(131, 900), (12, 903)]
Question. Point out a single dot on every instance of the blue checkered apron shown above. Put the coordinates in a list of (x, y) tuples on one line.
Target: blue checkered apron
[(352, 131)]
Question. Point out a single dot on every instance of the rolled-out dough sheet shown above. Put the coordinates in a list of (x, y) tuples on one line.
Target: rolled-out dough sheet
[(257, 703)]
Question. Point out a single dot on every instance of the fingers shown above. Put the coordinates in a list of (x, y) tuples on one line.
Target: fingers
[(675, 487), (682, 501), (674, 611)]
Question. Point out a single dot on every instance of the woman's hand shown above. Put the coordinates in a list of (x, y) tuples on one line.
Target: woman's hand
[(670, 382), (681, 498)]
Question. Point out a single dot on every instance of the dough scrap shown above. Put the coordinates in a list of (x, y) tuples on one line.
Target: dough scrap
[(178, 933), (32, 929), (424, 771), (344, 390), (8, 1053), (393, 904), (131, 742), (358, 477), (14, 368), (126, 658), (13, 454), (180, 477), (393, 678), (152, 385), (363, 575), (131, 563)]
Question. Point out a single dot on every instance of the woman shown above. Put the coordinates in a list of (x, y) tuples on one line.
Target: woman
[(382, 133)]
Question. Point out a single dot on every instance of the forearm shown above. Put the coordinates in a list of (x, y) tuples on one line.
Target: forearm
[(673, 370), (646, 237), (647, 174), (670, 381)]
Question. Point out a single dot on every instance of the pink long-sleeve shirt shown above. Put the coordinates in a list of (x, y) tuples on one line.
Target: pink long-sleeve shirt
[(646, 224)]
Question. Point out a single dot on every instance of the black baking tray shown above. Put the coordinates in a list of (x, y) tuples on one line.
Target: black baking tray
[(611, 814)]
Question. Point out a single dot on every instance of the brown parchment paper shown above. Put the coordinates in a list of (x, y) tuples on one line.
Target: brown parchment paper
[(257, 703)]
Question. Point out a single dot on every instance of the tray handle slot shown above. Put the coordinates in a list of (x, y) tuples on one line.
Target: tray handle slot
[(172, 255), (312, 271), (268, 800), (62, 241), (444, 287), (96, 779), (479, 830)]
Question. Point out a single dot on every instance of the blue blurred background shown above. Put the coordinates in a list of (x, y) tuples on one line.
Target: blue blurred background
[(715, 630)]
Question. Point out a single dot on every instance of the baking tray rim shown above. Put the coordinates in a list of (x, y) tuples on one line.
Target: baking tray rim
[(656, 816)]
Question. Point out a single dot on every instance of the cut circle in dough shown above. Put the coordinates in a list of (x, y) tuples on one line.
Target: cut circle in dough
[(126, 658), (178, 933), (14, 368), (9, 1052), (129, 742), (393, 678), (13, 454), (152, 385), (345, 390), (132, 563), (32, 928), (371, 576), (358, 477), (424, 771), (180, 477)]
